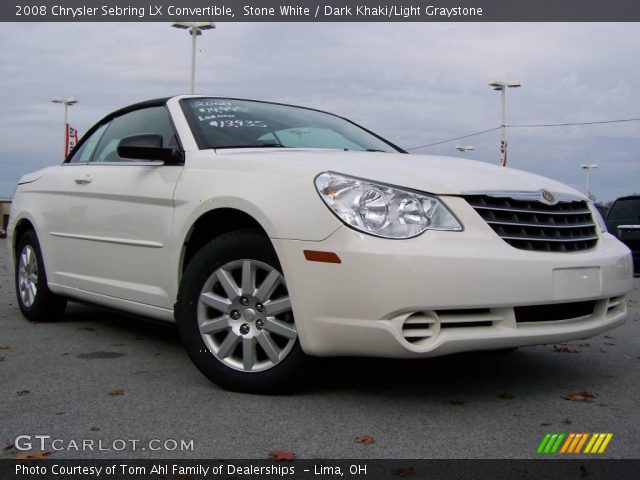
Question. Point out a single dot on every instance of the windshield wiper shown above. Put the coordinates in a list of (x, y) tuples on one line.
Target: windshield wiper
[(366, 150), (260, 145)]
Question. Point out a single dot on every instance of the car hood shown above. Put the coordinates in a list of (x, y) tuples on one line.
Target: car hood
[(428, 173)]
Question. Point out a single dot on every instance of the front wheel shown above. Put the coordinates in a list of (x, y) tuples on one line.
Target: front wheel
[(36, 301), (234, 316)]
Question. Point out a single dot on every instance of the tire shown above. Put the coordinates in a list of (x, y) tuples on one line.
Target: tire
[(234, 316), (37, 303)]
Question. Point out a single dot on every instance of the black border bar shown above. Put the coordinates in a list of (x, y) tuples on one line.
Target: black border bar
[(548, 469), (320, 11)]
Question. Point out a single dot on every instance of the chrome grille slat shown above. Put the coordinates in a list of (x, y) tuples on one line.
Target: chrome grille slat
[(566, 226), (549, 239), (541, 225), (542, 212)]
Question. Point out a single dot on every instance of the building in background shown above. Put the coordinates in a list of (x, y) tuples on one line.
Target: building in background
[(5, 206)]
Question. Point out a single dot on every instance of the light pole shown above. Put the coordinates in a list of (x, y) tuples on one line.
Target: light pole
[(588, 167), (464, 149), (502, 87), (195, 29), (67, 102)]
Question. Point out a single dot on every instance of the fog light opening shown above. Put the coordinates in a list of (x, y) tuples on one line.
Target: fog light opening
[(420, 327)]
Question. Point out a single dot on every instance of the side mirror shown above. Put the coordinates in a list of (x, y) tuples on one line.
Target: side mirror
[(148, 146)]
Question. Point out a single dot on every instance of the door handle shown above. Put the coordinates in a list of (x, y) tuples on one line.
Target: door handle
[(82, 178)]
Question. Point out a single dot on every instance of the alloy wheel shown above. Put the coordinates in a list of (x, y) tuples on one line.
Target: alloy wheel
[(28, 276), (245, 317)]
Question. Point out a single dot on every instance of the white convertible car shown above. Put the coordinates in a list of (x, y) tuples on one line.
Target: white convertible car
[(270, 232)]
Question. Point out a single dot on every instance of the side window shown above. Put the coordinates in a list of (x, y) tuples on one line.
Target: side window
[(148, 120), (87, 148)]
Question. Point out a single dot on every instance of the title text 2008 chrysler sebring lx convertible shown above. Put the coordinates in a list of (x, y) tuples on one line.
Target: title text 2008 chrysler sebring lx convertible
[(271, 232)]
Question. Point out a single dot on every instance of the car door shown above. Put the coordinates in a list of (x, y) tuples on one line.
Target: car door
[(121, 213)]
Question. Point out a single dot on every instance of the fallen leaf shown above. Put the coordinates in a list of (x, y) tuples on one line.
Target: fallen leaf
[(4, 347), (456, 402), (11, 446), (364, 439), (33, 455), (87, 329), (2, 357), (580, 396), (22, 393), (609, 343), (525, 474), (546, 424), (281, 456), (506, 396), (567, 421), (403, 472), (565, 348), (116, 391), (64, 354), (608, 336)]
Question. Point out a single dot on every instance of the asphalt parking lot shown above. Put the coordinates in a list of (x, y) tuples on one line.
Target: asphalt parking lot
[(101, 376)]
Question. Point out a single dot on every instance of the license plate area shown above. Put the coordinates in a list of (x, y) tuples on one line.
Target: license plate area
[(576, 283)]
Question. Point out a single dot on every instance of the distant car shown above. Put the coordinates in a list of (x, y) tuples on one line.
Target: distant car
[(623, 221), (3, 233), (603, 210), (269, 232)]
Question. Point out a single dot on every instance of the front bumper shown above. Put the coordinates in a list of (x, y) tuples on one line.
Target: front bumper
[(456, 289)]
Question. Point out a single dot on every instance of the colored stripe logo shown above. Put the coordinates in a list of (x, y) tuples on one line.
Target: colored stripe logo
[(574, 443)]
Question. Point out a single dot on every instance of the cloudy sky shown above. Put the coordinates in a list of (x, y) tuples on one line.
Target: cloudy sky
[(414, 84)]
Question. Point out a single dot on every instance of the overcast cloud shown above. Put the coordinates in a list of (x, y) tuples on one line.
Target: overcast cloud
[(412, 83)]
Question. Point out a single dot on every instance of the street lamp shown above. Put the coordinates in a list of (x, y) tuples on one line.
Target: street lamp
[(195, 29), (67, 102), (588, 167), (464, 149), (502, 87)]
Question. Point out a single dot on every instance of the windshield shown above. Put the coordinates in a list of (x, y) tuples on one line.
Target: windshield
[(230, 123), (625, 209)]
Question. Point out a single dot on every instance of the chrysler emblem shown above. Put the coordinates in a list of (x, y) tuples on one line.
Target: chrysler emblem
[(548, 197)]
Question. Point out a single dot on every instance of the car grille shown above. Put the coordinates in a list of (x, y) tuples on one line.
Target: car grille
[(532, 225)]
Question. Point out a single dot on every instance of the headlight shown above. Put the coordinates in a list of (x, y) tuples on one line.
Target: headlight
[(383, 211)]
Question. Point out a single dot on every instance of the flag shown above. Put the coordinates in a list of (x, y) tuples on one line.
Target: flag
[(503, 152), (71, 139)]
